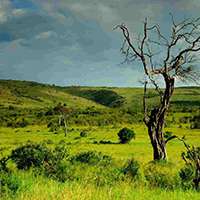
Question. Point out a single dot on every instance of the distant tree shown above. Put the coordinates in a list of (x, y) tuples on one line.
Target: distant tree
[(63, 114), (164, 58)]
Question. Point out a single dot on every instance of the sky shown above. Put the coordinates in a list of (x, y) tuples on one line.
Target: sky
[(72, 42)]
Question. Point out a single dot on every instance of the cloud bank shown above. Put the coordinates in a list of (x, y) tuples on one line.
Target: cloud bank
[(71, 42)]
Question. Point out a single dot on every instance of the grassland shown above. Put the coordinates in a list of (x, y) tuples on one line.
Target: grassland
[(26, 99)]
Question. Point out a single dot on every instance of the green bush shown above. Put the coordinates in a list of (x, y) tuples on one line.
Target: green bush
[(187, 175), (194, 122), (190, 174), (23, 123), (131, 168), (92, 158), (52, 126), (105, 142), (83, 134), (60, 170), (49, 162), (126, 135), (107, 175), (168, 134), (161, 175), (9, 183), (30, 155), (55, 167)]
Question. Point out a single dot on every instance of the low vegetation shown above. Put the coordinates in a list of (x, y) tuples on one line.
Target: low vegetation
[(126, 135), (106, 153)]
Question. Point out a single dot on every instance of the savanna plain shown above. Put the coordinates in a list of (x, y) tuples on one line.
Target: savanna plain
[(78, 154)]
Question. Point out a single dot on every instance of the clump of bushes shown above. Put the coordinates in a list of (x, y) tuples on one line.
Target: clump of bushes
[(190, 173), (9, 183), (160, 174), (126, 135), (50, 162), (92, 158), (30, 155), (107, 175), (105, 97), (194, 122), (131, 168), (105, 142), (20, 123), (56, 167), (52, 127)]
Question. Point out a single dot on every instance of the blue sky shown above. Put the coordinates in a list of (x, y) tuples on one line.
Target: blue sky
[(71, 42)]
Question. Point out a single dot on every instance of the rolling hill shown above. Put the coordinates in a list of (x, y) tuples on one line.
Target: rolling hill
[(31, 100)]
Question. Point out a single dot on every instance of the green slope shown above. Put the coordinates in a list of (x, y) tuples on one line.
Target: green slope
[(35, 95), (103, 104)]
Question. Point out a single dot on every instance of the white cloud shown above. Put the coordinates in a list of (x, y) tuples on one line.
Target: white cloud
[(18, 12), (45, 35), (5, 9), (107, 13)]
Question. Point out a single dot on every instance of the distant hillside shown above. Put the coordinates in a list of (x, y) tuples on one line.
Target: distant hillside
[(89, 103), (36, 95)]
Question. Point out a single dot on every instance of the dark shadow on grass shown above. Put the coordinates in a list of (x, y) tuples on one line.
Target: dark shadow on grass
[(105, 142)]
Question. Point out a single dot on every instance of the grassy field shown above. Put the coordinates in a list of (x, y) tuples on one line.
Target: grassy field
[(24, 100)]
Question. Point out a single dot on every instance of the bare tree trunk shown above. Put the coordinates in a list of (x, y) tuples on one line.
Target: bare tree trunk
[(156, 121), (174, 64), (65, 126), (158, 142)]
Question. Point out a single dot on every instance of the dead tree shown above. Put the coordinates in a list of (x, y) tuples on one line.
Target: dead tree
[(64, 114), (164, 59)]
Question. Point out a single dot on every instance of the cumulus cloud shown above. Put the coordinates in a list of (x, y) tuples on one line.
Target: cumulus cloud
[(74, 39), (45, 35), (5, 9), (18, 12)]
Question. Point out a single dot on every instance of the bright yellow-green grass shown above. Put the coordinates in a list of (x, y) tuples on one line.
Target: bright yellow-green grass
[(35, 96), (42, 188), (48, 189), (140, 148)]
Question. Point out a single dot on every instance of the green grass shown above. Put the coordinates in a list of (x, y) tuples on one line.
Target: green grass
[(140, 148), (29, 98), (40, 188)]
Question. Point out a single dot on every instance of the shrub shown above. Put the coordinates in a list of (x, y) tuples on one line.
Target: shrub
[(105, 142), (161, 175), (126, 135), (105, 97), (92, 158), (195, 125), (30, 155), (52, 126), (48, 141), (168, 134), (55, 166), (131, 168), (107, 175), (187, 174), (49, 162), (60, 171), (9, 183), (190, 174), (62, 142), (10, 107), (3, 164), (83, 134), (195, 122)]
